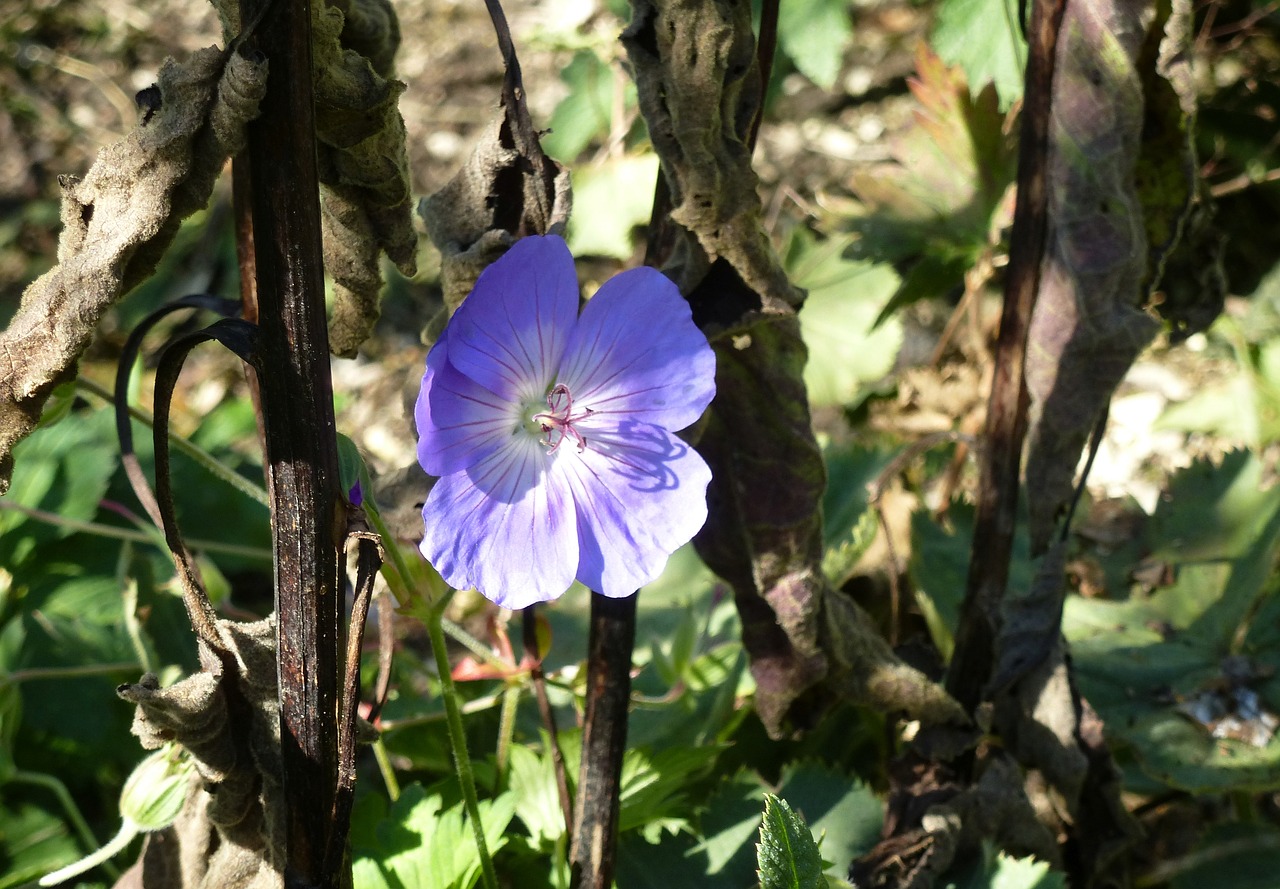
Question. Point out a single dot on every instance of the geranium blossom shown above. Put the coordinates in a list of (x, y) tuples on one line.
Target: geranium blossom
[(551, 432)]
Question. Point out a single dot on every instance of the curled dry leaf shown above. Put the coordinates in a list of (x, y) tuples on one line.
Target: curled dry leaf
[(699, 90), (119, 220), (363, 161), (231, 831), (492, 200)]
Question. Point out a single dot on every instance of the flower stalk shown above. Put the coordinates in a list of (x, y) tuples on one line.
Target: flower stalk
[(458, 738)]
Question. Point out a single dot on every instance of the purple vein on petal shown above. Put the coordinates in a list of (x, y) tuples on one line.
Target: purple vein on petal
[(511, 331)]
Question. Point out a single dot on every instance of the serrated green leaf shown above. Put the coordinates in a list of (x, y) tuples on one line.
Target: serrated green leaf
[(842, 810), (846, 355), (983, 37), (730, 826), (653, 785), (1213, 512), (532, 780), (788, 856), (814, 34), (1141, 662), (427, 846)]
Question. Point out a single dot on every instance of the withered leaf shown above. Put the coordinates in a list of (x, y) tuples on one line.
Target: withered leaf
[(1088, 325), (363, 162), (230, 834), (117, 223), (699, 89)]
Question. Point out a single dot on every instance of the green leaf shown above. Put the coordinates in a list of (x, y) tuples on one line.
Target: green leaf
[(653, 785), (33, 842), (849, 523), (58, 407), (983, 37), (609, 200), (814, 34), (532, 780), (788, 856), (1213, 512), (62, 469), (1003, 871), (842, 810), (729, 829), (1233, 856), (945, 186), (847, 354), (1165, 669), (423, 845), (939, 567), (352, 468), (587, 112)]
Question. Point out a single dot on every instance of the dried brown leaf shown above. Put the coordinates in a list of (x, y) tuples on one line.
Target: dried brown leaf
[(493, 199), (117, 223), (363, 162), (230, 834)]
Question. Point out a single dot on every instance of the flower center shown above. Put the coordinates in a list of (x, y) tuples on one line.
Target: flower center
[(557, 421)]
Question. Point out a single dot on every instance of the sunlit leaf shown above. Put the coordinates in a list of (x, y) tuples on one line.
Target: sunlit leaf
[(814, 34), (985, 38), (846, 355), (788, 856), (609, 200)]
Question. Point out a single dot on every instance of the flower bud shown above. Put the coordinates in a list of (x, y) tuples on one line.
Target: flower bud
[(156, 791)]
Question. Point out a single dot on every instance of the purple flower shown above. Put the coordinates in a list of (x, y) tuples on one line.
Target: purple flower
[(551, 431)]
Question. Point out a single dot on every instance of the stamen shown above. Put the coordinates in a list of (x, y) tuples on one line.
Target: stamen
[(559, 419)]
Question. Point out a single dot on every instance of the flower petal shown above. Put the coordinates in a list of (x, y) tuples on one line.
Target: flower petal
[(509, 334), (504, 526), (459, 421), (637, 352), (640, 494)]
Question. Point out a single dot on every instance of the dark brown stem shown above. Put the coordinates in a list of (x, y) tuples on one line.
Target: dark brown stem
[(1001, 457), (529, 631), (604, 741), (297, 406)]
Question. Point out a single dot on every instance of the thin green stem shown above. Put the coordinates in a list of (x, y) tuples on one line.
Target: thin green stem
[(100, 857), (472, 644), (116, 533), (402, 568), (507, 725), (211, 463), (458, 738), (34, 673), (59, 790), (477, 705), (129, 606), (387, 770)]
